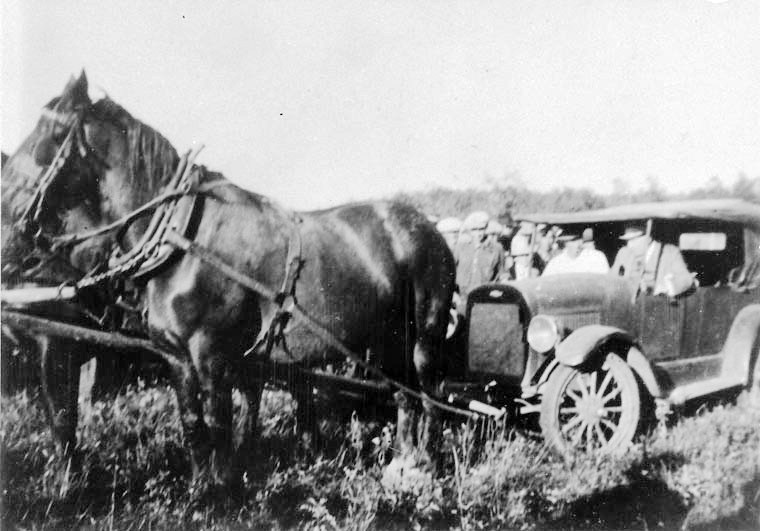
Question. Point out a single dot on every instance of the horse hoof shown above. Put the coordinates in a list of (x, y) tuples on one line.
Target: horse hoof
[(407, 474)]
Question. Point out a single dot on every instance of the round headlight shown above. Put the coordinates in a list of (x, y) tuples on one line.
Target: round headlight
[(543, 333)]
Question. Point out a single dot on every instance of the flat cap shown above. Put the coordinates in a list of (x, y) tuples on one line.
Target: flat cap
[(449, 225), (476, 220), (494, 227)]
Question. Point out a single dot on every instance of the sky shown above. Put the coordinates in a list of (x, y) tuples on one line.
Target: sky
[(320, 103)]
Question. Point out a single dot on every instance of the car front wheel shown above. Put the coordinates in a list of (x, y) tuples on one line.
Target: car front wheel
[(598, 409)]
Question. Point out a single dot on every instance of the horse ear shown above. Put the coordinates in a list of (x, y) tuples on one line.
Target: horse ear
[(76, 90)]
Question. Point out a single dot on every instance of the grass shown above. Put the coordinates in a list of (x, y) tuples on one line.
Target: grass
[(131, 471)]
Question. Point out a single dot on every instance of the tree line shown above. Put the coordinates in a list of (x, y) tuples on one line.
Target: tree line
[(503, 201)]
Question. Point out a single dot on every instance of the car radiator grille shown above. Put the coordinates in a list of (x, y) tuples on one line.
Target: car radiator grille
[(576, 320), (495, 340)]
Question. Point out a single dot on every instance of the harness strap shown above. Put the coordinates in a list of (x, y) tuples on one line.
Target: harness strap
[(274, 334), (31, 212), (317, 328)]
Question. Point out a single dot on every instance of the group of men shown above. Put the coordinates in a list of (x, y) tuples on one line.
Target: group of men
[(486, 251)]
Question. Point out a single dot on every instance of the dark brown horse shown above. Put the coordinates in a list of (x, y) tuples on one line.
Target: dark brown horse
[(60, 358), (378, 276)]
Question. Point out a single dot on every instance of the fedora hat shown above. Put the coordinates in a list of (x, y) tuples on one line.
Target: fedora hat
[(564, 238), (631, 233)]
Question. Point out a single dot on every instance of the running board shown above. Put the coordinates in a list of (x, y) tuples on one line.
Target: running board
[(683, 393)]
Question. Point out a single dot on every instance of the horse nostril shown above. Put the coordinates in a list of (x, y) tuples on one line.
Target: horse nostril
[(31, 262)]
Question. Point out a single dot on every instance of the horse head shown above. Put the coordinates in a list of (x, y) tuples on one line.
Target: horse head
[(83, 165)]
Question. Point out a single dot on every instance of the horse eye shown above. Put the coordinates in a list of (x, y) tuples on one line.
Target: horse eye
[(59, 135), (31, 262)]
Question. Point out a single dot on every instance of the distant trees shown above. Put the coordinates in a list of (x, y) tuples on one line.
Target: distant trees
[(513, 197)]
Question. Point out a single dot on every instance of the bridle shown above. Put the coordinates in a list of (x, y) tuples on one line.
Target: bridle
[(28, 225), (74, 143)]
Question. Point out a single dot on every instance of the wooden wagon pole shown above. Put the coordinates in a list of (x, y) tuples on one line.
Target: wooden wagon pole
[(32, 324)]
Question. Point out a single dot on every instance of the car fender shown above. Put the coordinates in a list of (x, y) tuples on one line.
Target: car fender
[(585, 342), (738, 348)]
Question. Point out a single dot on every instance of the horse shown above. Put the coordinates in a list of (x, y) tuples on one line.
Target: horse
[(377, 275), (59, 358)]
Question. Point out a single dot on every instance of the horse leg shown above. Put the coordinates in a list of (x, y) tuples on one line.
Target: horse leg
[(406, 423), (246, 429), (307, 419), (431, 322), (60, 363), (215, 373), (188, 391), (429, 421)]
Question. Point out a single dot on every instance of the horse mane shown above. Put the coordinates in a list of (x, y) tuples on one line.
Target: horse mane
[(152, 159)]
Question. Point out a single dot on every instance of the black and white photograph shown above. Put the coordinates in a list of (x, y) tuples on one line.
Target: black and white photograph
[(380, 265)]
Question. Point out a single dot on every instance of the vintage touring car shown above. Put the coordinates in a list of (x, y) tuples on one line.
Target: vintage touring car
[(593, 356)]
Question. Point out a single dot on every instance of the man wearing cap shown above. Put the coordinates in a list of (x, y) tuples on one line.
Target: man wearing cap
[(477, 261), (449, 228), (493, 231), (523, 260), (590, 259), (652, 266), (567, 260)]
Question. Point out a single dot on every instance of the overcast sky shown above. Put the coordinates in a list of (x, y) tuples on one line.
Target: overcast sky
[(317, 103)]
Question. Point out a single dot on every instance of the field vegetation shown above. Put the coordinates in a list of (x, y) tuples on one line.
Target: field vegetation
[(131, 471)]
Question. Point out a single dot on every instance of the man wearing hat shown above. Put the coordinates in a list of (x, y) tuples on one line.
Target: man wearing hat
[(449, 228), (567, 260), (523, 259), (652, 266), (477, 260), (493, 231), (590, 259)]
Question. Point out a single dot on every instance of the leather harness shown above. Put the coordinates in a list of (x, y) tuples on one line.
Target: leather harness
[(179, 210)]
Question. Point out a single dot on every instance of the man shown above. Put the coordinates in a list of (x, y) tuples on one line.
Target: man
[(591, 260), (523, 262), (449, 228), (652, 266), (545, 247), (567, 260), (493, 231), (477, 261)]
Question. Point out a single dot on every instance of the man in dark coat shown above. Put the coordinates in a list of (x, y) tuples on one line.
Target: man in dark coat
[(478, 261), (653, 267)]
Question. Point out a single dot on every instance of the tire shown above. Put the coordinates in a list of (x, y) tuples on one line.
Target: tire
[(598, 409)]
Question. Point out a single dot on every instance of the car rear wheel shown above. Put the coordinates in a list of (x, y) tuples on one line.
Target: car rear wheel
[(598, 409)]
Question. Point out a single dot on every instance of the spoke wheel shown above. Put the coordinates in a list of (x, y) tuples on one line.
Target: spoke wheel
[(595, 410)]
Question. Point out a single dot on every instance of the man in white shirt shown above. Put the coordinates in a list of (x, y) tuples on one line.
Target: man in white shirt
[(567, 260), (590, 259)]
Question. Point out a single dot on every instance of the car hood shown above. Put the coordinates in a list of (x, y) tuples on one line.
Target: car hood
[(577, 298)]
